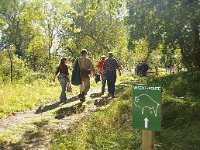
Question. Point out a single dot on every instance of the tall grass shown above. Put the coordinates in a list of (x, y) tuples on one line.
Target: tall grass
[(111, 128), (22, 95), (107, 129), (18, 96)]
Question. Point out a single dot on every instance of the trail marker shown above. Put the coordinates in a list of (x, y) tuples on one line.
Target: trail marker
[(146, 108)]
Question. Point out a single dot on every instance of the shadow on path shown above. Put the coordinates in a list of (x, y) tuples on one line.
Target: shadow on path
[(102, 101), (95, 95), (105, 100), (67, 111), (49, 107), (31, 138), (120, 87)]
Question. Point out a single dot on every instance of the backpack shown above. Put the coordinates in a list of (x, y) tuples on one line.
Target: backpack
[(76, 79)]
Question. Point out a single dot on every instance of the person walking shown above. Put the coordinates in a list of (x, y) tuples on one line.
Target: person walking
[(86, 69), (110, 66), (102, 73), (144, 69), (63, 77)]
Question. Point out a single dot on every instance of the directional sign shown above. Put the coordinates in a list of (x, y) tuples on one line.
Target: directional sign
[(146, 102)]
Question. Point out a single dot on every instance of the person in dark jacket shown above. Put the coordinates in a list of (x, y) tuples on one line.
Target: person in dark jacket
[(63, 77), (110, 66)]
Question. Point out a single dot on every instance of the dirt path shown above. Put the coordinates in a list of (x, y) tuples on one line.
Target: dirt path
[(32, 129)]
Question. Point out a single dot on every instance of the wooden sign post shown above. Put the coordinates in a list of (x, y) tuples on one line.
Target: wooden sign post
[(147, 140)]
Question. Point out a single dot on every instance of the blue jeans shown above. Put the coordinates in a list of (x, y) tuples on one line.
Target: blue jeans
[(111, 79), (63, 83)]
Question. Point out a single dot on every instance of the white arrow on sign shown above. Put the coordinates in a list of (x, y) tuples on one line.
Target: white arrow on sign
[(146, 120)]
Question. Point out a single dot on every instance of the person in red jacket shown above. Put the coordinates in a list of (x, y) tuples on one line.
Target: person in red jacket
[(102, 73)]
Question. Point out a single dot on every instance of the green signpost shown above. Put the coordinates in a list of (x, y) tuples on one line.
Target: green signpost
[(146, 105)]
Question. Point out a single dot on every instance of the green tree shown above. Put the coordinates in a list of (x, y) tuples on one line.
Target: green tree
[(174, 24), (16, 30), (51, 19), (101, 28)]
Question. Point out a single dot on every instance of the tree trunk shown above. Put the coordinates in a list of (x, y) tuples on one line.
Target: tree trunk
[(186, 59), (195, 42), (11, 65), (18, 43)]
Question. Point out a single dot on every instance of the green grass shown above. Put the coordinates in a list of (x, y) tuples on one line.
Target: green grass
[(126, 76), (110, 128), (30, 92), (19, 96)]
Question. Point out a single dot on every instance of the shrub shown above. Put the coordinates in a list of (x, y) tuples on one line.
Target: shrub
[(184, 84)]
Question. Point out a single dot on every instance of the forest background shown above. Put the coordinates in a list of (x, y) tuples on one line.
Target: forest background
[(35, 34)]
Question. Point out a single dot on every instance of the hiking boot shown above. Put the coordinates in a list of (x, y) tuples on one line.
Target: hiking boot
[(102, 92), (82, 97), (109, 95), (63, 100)]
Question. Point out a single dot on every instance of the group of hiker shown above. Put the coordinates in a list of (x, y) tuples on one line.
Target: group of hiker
[(83, 70), (141, 69)]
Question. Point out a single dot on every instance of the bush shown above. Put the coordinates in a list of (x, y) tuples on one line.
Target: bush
[(19, 68), (185, 84)]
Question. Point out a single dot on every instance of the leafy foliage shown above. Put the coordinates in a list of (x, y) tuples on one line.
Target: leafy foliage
[(174, 24), (184, 84), (40, 32)]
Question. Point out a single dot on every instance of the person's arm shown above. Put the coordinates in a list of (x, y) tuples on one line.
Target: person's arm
[(118, 68), (119, 72), (99, 66), (56, 73), (67, 70), (105, 65), (92, 68)]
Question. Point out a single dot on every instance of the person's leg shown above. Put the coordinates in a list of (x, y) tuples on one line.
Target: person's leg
[(80, 96), (103, 78), (112, 84), (109, 84), (86, 85), (84, 88), (63, 83)]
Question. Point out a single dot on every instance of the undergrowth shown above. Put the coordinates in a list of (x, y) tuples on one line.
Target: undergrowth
[(184, 84), (18, 97), (111, 128)]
